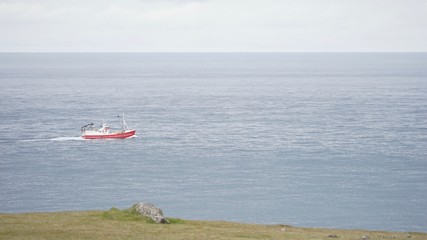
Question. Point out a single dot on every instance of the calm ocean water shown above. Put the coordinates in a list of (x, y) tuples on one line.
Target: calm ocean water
[(307, 139)]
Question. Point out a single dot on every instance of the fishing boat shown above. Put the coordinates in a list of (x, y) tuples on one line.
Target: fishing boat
[(89, 131)]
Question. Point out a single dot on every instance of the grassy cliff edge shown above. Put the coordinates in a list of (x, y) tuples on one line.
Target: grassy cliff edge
[(125, 224)]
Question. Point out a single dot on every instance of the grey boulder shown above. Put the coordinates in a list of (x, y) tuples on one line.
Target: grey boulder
[(151, 211)]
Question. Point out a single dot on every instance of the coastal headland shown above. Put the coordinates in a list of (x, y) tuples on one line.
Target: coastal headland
[(126, 224)]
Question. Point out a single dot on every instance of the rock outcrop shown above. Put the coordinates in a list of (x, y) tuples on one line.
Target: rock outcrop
[(151, 211)]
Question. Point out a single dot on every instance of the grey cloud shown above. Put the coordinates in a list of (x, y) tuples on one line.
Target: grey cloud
[(213, 25)]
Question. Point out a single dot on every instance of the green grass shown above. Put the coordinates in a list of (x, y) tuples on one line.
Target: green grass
[(126, 224)]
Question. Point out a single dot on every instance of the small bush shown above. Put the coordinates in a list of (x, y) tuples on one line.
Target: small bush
[(175, 221)]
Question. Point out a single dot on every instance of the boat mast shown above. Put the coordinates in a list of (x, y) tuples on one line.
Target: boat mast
[(124, 125)]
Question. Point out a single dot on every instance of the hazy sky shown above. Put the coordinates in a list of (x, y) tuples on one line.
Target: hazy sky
[(212, 25)]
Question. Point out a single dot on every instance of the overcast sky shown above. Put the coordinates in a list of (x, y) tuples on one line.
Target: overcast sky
[(212, 25)]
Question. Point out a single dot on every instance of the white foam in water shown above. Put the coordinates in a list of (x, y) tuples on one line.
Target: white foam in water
[(54, 139), (66, 139)]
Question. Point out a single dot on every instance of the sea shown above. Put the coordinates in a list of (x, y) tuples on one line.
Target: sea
[(330, 140)]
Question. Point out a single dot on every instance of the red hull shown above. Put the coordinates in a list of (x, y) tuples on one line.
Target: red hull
[(112, 135)]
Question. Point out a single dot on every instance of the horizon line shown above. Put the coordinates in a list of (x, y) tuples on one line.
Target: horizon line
[(195, 52)]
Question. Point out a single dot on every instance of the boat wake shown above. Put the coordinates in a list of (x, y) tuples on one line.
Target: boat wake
[(67, 139), (54, 139)]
